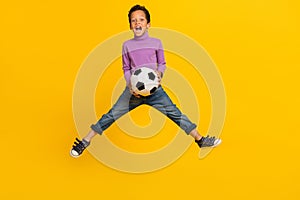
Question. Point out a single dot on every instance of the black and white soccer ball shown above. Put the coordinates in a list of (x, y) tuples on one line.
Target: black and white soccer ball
[(144, 81)]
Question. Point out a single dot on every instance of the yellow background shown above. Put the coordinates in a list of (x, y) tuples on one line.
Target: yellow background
[(255, 45)]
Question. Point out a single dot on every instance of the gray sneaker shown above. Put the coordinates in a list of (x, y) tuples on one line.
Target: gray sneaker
[(208, 142), (78, 147)]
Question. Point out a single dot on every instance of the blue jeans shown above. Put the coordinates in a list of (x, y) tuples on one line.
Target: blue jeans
[(159, 100)]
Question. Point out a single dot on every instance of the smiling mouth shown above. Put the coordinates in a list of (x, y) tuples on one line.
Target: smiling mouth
[(138, 28)]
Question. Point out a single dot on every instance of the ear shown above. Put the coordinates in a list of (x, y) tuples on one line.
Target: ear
[(148, 25)]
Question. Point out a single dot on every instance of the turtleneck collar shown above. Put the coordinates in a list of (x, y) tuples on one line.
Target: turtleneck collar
[(142, 37)]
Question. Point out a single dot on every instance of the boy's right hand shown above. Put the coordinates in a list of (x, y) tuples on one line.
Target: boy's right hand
[(132, 92)]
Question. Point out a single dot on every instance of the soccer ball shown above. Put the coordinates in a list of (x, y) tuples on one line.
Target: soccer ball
[(144, 81)]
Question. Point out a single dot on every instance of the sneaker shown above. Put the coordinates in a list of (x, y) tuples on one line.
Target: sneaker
[(208, 142), (78, 147)]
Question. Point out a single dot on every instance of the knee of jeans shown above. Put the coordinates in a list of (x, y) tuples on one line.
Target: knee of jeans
[(173, 111)]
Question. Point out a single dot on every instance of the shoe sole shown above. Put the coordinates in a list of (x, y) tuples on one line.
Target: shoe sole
[(218, 143), (74, 156)]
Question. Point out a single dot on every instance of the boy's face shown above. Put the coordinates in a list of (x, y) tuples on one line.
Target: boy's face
[(138, 23)]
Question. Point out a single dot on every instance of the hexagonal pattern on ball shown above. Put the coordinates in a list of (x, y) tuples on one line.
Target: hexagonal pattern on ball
[(144, 81)]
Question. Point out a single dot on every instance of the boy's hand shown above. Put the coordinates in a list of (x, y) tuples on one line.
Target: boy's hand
[(132, 92), (158, 76)]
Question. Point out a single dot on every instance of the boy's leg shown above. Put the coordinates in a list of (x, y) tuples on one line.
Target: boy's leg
[(124, 104), (90, 135), (195, 134), (161, 101)]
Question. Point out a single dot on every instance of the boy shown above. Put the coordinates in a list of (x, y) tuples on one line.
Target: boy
[(141, 51)]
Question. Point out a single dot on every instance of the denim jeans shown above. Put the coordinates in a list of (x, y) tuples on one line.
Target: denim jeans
[(159, 100)]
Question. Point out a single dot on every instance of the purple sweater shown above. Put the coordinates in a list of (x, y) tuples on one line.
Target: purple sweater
[(142, 51)]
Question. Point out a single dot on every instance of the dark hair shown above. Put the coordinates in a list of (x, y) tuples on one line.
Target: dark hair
[(139, 7)]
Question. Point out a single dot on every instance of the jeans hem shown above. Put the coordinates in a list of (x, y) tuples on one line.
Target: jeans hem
[(192, 127), (96, 128)]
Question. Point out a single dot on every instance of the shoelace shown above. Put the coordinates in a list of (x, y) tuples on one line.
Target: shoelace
[(209, 141), (78, 146)]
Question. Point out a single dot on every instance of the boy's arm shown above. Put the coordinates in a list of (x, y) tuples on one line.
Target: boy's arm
[(126, 65), (126, 69), (161, 62)]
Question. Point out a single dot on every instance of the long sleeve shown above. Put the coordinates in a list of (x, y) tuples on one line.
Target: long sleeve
[(126, 64), (161, 62)]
